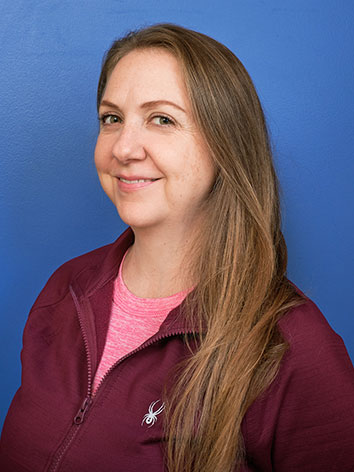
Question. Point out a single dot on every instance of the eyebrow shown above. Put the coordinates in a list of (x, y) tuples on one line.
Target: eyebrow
[(151, 104)]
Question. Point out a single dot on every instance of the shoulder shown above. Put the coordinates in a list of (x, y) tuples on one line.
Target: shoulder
[(316, 357), (315, 351), (307, 412), (58, 283), (306, 330), (85, 271)]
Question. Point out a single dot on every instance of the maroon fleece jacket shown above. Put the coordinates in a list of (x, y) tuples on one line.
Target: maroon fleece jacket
[(303, 422)]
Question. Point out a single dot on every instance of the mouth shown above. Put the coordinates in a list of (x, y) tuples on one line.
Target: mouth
[(135, 181)]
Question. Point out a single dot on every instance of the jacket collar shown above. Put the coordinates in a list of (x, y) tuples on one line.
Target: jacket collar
[(105, 268), (101, 274)]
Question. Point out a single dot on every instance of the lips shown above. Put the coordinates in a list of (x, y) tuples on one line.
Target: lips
[(135, 180)]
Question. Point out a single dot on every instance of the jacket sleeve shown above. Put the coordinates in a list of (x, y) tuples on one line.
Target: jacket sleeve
[(305, 420)]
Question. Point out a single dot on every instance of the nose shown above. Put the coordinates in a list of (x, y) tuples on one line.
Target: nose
[(128, 144)]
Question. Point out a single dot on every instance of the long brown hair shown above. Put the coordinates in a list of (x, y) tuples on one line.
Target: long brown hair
[(240, 259)]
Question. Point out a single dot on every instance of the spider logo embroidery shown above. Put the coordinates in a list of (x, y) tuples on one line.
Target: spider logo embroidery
[(151, 417)]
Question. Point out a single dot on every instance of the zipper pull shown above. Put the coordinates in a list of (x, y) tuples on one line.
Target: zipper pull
[(79, 417)]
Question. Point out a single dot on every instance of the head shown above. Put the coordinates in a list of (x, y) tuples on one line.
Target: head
[(150, 156), (225, 108)]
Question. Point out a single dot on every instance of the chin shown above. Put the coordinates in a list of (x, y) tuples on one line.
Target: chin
[(137, 219)]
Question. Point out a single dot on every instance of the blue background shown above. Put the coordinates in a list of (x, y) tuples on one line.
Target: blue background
[(300, 56)]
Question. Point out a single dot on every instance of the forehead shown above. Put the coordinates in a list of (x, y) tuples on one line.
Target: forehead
[(147, 74)]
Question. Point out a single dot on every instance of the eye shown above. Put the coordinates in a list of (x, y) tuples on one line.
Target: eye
[(162, 120), (109, 119)]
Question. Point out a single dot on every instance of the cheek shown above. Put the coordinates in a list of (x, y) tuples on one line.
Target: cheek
[(97, 155), (202, 171), (194, 175), (101, 157)]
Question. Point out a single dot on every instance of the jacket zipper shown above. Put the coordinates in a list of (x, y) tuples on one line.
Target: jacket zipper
[(140, 348), (80, 415)]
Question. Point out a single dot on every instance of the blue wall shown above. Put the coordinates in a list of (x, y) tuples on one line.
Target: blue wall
[(300, 56)]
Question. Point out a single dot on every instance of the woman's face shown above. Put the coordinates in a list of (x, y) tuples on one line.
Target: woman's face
[(151, 160)]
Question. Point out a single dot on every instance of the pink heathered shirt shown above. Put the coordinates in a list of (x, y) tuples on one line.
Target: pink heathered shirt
[(133, 320)]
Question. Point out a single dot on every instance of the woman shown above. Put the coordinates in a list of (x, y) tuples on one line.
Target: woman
[(182, 346)]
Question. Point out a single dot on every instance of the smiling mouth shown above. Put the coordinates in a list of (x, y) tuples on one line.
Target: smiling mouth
[(137, 181)]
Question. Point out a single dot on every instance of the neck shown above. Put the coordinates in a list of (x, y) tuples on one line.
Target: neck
[(155, 265)]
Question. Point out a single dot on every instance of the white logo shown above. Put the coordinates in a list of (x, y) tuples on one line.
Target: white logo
[(151, 417)]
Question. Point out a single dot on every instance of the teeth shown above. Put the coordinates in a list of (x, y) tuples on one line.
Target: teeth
[(135, 181)]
